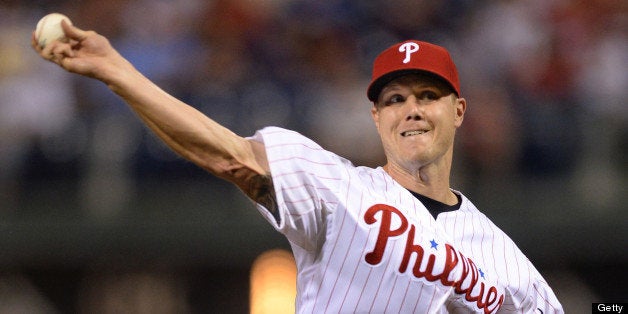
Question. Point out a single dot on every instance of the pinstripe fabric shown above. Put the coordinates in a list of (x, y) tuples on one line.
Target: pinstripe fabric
[(472, 232), (364, 244)]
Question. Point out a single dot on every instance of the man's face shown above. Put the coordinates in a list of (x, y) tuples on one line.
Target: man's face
[(416, 117)]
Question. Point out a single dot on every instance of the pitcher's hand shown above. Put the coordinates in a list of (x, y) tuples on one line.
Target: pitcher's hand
[(86, 52)]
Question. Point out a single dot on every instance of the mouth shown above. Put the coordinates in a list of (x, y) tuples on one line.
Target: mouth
[(413, 133)]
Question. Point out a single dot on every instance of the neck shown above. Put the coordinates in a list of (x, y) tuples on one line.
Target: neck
[(427, 181)]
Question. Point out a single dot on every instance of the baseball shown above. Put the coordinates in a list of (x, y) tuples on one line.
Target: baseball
[(49, 29)]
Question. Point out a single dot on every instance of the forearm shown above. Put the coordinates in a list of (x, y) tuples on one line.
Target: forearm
[(184, 129)]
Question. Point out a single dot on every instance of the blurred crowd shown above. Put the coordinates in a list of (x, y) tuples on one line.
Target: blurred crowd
[(545, 81)]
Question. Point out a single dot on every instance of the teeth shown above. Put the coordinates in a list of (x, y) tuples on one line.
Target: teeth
[(412, 133)]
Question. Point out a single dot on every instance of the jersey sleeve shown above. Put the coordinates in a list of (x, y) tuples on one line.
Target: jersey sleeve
[(527, 290), (305, 179), (543, 295), (539, 297), (500, 259)]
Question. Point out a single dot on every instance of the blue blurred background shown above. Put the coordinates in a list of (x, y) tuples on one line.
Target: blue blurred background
[(96, 213)]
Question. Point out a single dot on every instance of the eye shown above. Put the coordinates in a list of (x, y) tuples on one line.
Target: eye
[(429, 95), (394, 99)]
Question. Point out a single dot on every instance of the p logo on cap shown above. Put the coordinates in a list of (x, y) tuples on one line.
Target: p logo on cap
[(408, 57), (409, 48)]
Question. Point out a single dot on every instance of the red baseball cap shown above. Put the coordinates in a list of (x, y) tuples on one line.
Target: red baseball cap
[(408, 57)]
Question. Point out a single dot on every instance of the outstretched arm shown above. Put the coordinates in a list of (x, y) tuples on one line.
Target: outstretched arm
[(184, 129)]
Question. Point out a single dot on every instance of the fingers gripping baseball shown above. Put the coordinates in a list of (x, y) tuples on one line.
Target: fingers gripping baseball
[(83, 52)]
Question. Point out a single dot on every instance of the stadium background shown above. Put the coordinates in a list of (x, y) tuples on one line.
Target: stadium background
[(89, 201)]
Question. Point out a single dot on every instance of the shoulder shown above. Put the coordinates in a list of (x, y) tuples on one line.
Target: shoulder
[(274, 137), (283, 146), (467, 207)]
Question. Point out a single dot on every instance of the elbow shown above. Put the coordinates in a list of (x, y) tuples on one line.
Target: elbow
[(236, 162), (228, 169)]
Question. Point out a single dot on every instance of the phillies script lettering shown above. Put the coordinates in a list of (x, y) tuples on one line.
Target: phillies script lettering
[(487, 299)]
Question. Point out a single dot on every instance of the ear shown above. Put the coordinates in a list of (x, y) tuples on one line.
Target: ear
[(461, 107), (375, 116)]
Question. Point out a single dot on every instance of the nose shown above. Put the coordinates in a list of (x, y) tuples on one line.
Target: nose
[(414, 113)]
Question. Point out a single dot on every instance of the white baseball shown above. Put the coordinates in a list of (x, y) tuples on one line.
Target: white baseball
[(49, 29)]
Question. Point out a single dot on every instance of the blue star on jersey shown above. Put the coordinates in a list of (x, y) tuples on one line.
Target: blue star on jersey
[(434, 244)]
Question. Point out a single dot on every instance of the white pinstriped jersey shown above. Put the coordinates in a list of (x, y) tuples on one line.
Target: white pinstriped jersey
[(474, 234), (365, 244)]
